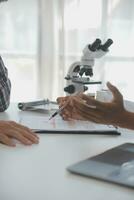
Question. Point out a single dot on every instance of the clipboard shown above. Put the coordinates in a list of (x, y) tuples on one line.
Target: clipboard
[(42, 125), (83, 132), (116, 133)]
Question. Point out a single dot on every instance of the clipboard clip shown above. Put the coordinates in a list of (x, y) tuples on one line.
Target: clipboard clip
[(33, 104)]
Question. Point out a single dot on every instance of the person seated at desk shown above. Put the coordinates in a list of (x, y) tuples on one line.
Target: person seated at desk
[(83, 107), (10, 129)]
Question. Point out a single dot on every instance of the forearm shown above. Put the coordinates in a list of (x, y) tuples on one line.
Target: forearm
[(5, 87), (126, 120), (5, 91)]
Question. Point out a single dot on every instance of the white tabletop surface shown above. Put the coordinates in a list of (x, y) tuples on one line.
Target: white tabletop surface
[(38, 172)]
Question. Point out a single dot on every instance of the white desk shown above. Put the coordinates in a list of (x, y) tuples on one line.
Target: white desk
[(38, 172)]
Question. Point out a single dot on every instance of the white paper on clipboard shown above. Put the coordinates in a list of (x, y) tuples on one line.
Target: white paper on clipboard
[(43, 123)]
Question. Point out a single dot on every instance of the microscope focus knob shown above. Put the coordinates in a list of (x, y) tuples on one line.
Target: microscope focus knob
[(85, 88), (70, 89)]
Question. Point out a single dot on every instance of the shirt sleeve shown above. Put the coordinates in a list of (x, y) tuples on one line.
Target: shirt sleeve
[(5, 87)]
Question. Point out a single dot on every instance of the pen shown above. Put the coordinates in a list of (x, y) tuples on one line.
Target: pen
[(60, 109), (57, 112)]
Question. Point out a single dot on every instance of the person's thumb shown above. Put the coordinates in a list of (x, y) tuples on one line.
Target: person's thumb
[(116, 93)]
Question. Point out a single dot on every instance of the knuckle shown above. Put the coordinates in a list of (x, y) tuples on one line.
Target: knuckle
[(3, 136), (12, 122)]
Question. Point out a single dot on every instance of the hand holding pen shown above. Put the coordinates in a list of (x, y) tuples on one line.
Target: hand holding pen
[(59, 110), (71, 109), (66, 102)]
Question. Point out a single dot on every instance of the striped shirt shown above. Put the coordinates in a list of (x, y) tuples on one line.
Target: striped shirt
[(5, 87)]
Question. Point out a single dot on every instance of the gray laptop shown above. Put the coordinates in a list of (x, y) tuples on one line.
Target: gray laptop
[(115, 165)]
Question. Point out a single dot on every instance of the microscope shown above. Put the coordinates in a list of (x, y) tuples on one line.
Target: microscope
[(79, 72)]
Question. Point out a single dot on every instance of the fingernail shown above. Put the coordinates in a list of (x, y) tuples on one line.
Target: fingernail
[(13, 145), (109, 83), (29, 142), (36, 141)]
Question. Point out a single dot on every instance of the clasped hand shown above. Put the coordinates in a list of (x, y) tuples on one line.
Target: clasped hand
[(83, 107)]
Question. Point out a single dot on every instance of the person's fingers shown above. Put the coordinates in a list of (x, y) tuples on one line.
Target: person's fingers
[(85, 110), (116, 93), (92, 102), (19, 136), (6, 140), (69, 111), (10, 130), (95, 104), (61, 100), (62, 104), (67, 114), (19, 132), (81, 111), (31, 132), (66, 118), (31, 137), (26, 131), (25, 137), (88, 116)]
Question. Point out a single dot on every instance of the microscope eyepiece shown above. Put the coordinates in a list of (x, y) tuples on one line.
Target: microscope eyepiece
[(107, 44), (95, 45)]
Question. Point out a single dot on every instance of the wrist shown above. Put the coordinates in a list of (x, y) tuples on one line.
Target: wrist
[(126, 120)]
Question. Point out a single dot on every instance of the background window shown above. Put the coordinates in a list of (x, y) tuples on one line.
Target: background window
[(18, 45), (40, 39)]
